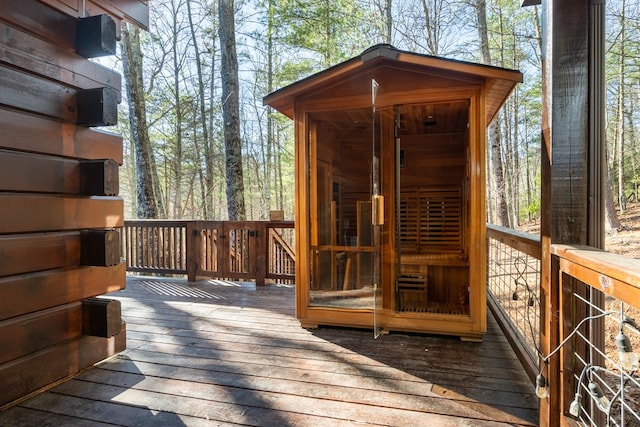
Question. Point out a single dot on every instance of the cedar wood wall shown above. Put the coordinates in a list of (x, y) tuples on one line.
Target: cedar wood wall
[(44, 204)]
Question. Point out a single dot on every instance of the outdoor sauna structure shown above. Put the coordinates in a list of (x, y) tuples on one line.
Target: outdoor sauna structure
[(390, 191)]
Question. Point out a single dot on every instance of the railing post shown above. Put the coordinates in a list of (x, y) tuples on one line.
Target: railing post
[(550, 337), (193, 243), (260, 254)]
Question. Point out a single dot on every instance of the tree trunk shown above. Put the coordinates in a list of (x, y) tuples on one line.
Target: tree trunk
[(132, 69), (495, 138), (612, 223), (231, 111), (389, 21), (208, 201), (178, 111), (433, 28), (268, 166), (620, 129)]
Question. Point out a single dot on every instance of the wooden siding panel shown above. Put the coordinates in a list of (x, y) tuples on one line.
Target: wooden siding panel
[(27, 132), (31, 213), (48, 24), (49, 194), (36, 331), (26, 92), (44, 367), (57, 287), (22, 253), (36, 56), (33, 173), (134, 11)]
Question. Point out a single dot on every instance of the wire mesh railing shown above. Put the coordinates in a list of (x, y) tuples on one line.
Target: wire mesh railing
[(599, 305), (513, 283)]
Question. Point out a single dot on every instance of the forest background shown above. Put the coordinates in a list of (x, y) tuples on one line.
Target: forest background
[(199, 144)]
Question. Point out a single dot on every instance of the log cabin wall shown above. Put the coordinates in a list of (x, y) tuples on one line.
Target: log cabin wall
[(59, 204)]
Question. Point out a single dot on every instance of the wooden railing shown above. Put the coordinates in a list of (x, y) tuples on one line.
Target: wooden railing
[(236, 250), (513, 283), (594, 295), (597, 299)]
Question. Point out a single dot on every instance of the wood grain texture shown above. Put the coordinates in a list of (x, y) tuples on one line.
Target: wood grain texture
[(37, 18), (212, 352), (57, 287), (26, 253), (30, 133), (47, 366), (36, 95), (42, 154), (22, 172), (33, 332), (33, 55), (31, 213)]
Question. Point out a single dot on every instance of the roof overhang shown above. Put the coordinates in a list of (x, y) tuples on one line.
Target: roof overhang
[(499, 82)]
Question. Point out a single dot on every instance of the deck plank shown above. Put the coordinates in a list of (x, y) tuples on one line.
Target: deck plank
[(221, 353)]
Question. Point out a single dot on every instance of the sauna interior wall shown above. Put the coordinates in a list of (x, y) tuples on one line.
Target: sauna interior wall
[(438, 161)]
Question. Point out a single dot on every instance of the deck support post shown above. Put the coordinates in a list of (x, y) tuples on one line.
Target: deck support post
[(571, 162)]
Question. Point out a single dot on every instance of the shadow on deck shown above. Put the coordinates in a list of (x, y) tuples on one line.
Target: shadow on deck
[(225, 353)]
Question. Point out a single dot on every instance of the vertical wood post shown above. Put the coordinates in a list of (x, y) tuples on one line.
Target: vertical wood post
[(260, 254), (193, 243), (571, 170)]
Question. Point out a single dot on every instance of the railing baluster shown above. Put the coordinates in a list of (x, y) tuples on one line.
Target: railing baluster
[(161, 247)]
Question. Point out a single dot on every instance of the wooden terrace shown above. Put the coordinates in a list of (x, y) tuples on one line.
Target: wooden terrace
[(215, 352), (227, 352)]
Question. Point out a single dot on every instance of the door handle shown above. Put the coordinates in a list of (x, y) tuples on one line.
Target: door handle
[(377, 209)]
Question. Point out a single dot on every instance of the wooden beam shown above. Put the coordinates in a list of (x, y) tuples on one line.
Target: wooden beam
[(39, 19), (37, 95), (570, 122), (46, 59), (100, 248), (26, 132), (57, 287), (22, 172), (21, 213), (566, 175), (40, 369), (99, 178), (25, 253), (101, 317), (96, 36), (35, 331), (97, 107)]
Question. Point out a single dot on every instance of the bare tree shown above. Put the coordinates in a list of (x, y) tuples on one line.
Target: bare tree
[(147, 206), (495, 136), (231, 111), (208, 157)]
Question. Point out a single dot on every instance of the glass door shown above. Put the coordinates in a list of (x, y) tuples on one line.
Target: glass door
[(342, 236), (377, 214)]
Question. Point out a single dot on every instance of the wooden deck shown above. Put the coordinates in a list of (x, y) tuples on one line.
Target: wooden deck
[(218, 353)]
